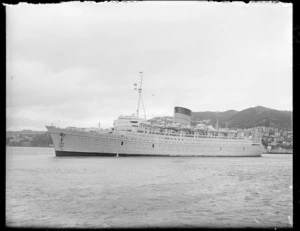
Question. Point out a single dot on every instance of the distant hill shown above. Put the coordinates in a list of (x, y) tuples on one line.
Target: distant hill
[(248, 118), (223, 117), (42, 140), (24, 132), (28, 138), (261, 116)]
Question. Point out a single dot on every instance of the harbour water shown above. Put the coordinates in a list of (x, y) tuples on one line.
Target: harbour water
[(96, 192)]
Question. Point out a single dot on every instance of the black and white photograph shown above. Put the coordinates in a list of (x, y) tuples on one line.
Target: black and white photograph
[(151, 114)]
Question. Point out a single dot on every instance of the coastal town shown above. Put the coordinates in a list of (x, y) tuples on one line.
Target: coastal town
[(273, 139)]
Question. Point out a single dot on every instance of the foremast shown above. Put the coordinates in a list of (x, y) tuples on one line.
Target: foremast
[(140, 96)]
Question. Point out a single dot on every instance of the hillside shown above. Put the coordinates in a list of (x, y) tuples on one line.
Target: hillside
[(223, 117), (28, 138), (261, 116), (248, 118), (43, 140)]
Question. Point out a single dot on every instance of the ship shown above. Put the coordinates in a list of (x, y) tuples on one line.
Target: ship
[(135, 136)]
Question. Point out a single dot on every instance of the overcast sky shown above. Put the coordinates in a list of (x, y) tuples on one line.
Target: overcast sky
[(74, 64)]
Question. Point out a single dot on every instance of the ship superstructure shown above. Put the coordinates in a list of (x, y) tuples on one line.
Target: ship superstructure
[(133, 136)]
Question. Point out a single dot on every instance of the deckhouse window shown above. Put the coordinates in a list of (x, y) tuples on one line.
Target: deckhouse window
[(122, 143)]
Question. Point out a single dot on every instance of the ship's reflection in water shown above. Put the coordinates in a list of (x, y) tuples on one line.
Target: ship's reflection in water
[(96, 192)]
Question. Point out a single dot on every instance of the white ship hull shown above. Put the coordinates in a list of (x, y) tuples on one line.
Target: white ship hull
[(79, 143)]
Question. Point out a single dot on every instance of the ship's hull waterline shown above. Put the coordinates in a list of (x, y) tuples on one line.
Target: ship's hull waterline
[(79, 143)]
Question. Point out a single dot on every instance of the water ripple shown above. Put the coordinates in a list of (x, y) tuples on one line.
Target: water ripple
[(44, 191)]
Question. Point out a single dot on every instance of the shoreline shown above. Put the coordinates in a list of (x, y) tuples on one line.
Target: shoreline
[(29, 146), (291, 153), (264, 153)]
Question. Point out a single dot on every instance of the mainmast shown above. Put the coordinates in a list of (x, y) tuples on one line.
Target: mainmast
[(140, 96)]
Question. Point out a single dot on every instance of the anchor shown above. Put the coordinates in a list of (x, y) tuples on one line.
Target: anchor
[(61, 144)]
